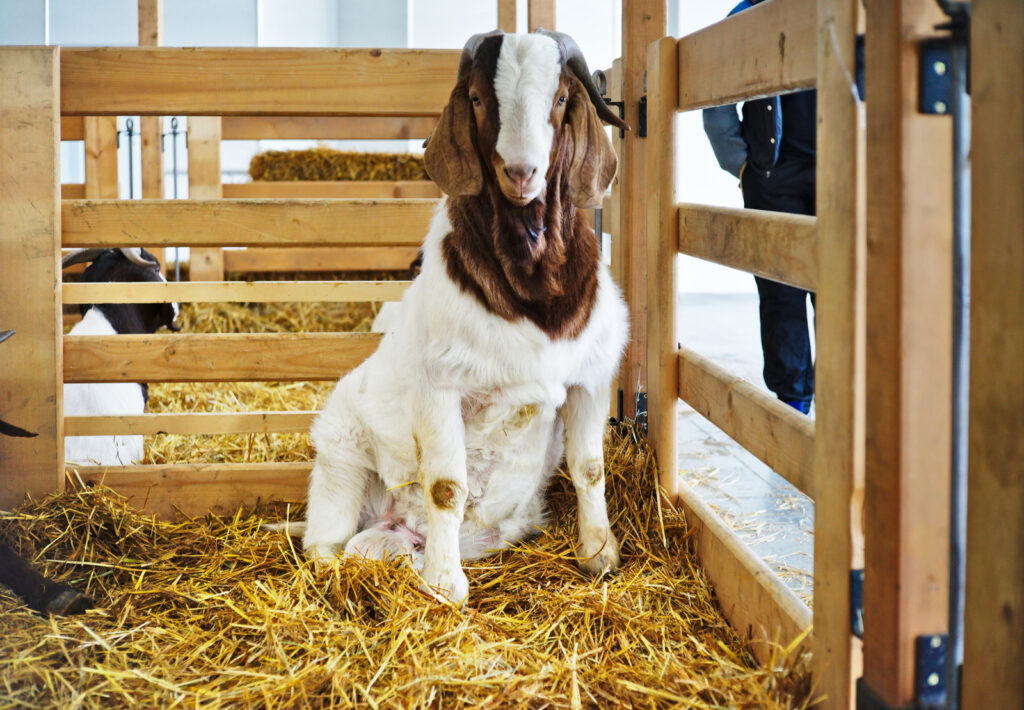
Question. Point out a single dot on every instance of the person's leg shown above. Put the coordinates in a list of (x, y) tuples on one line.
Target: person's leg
[(785, 339)]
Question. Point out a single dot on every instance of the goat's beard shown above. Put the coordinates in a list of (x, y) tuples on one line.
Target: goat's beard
[(520, 232)]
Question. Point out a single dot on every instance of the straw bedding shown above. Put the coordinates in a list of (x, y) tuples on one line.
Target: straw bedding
[(214, 612), (327, 164)]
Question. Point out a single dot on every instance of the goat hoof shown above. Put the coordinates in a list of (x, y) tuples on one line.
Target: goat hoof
[(447, 586), (321, 555), (68, 601), (600, 558)]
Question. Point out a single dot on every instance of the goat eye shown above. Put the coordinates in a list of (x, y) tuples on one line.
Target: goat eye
[(393, 527), (475, 99), (561, 99)]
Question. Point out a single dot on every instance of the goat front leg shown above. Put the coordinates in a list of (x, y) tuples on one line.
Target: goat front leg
[(584, 414), (336, 496), (439, 435)]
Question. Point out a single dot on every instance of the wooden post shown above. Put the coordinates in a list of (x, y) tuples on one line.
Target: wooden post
[(507, 15), (205, 263), (31, 394), (839, 370), (909, 358), (540, 13), (643, 21), (100, 134), (662, 258), (994, 615), (151, 31)]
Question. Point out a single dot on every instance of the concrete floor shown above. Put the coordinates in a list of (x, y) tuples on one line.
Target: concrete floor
[(769, 514)]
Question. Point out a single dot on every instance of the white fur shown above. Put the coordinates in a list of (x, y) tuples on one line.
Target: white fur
[(101, 398), (524, 83), (455, 394)]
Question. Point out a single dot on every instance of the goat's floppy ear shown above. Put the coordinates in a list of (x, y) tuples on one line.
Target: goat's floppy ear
[(593, 163), (450, 157)]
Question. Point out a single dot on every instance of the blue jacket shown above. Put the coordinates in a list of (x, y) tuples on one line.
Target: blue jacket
[(754, 141)]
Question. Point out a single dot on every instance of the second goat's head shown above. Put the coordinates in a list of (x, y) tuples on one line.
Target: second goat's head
[(523, 105)]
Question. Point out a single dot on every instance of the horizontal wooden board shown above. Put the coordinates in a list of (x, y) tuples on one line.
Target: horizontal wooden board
[(765, 426), (235, 291), (72, 190), (756, 602), (172, 490), (202, 357), (778, 246), (190, 423), (274, 259), (212, 223), (769, 49), (72, 128), (372, 189), (262, 81), (327, 127)]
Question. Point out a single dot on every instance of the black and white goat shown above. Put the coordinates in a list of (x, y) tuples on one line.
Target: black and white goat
[(113, 265), (38, 592), (500, 356)]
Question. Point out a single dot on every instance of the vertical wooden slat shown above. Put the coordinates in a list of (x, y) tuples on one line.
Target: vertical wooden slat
[(839, 370), (908, 367), (540, 13), (662, 252), (994, 614), (207, 263), (30, 387), (643, 21), (151, 30), (507, 15), (100, 134)]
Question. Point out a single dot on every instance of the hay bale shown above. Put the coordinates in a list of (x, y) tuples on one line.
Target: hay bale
[(215, 612), (327, 164)]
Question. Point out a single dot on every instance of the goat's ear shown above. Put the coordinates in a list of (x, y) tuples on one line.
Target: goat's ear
[(451, 157), (593, 163)]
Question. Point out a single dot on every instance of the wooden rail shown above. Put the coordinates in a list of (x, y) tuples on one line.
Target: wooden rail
[(775, 245), (326, 127), (253, 82), (363, 189), (766, 427), (189, 423), (318, 259), (768, 49), (215, 223), (221, 357), (235, 291)]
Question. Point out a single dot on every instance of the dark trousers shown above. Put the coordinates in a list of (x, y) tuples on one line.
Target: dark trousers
[(785, 340)]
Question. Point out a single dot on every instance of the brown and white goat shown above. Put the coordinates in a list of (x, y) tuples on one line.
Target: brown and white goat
[(501, 354)]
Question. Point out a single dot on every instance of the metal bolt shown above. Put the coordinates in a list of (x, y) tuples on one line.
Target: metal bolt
[(939, 68), (933, 679), (936, 641), (940, 107)]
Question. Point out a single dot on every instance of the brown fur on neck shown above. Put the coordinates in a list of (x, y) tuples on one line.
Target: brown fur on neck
[(551, 280)]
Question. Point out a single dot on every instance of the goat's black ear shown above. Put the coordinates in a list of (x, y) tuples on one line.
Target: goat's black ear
[(593, 163), (450, 156), (167, 317)]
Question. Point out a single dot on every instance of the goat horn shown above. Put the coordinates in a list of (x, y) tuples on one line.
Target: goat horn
[(575, 61), (134, 255), (80, 256), (469, 51), (5, 334)]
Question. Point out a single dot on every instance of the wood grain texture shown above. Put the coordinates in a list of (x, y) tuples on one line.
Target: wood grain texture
[(643, 22), (190, 423), (204, 183), (72, 191), (994, 643), (251, 82), (366, 189), (507, 15), (768, 49), (328, 127), (774, 245), (757, 604), (262, 260), (72, 128), (221, 357), (100, 136), (771, 430), (662, 261), (198, 223), (174, 490), (540, 13), (839, 365), (151, 34), (909, 363), (31, 396), (235, 291)]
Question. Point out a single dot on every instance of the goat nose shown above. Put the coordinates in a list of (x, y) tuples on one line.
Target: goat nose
[(520, 172)]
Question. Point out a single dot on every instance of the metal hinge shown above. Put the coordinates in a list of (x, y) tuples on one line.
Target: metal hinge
[(642, 130), (857, 602), (935, 77)]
